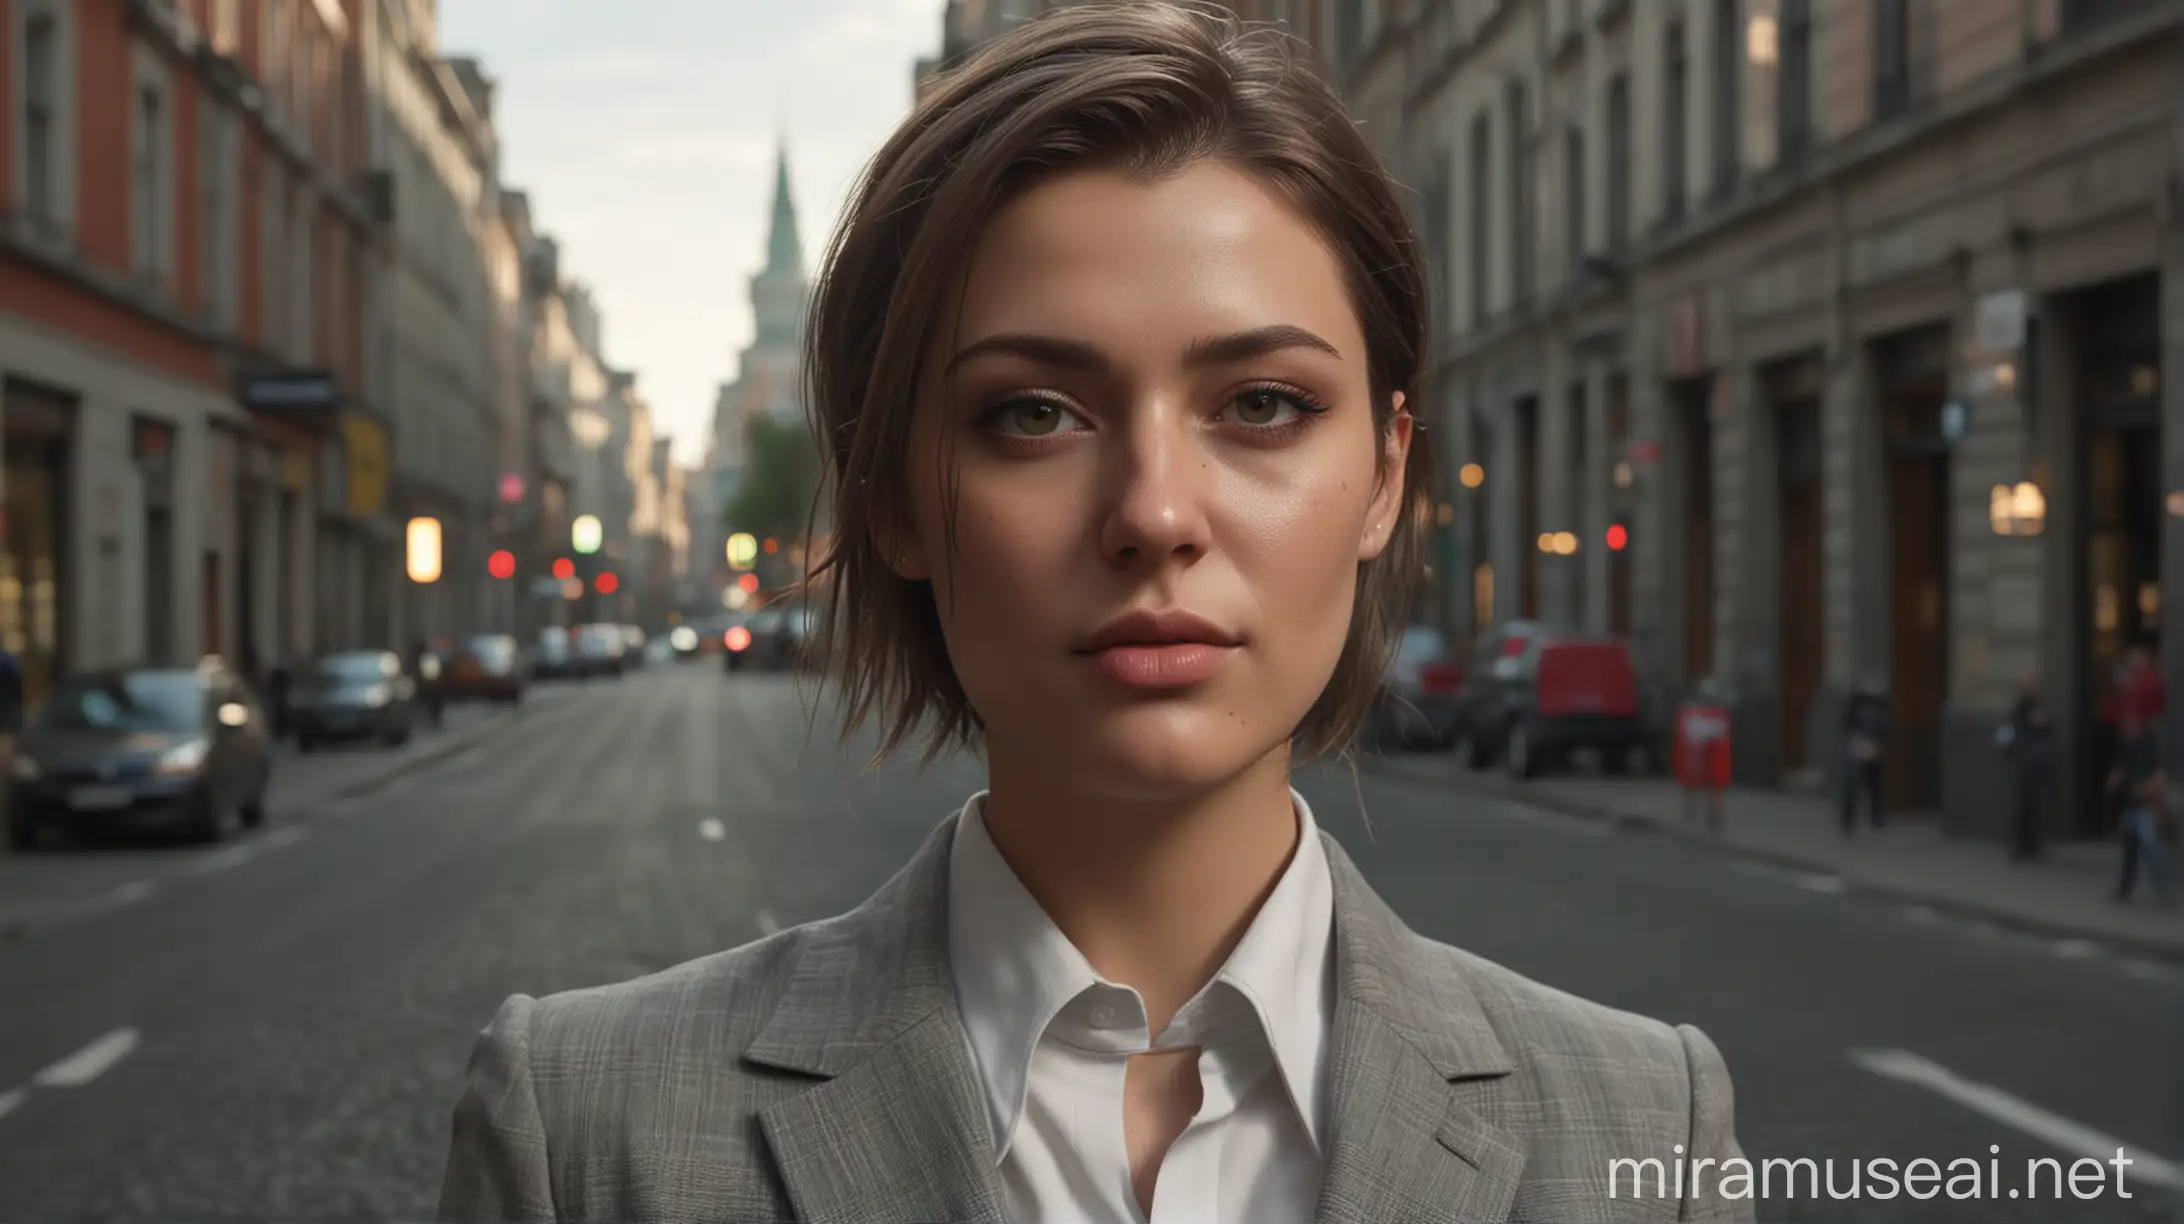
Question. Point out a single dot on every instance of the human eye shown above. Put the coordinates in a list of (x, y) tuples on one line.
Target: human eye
[(1273, 409), (1032, 417)]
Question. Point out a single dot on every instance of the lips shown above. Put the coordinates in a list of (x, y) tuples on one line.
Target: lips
[(1159, 649)]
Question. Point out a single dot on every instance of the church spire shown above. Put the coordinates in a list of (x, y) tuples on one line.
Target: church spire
[(784, 251)]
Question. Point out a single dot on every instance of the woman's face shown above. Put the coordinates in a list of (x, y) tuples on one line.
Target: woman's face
[(1154, 424)]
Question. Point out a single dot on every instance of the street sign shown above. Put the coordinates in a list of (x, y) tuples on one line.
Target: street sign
[(294, 389)]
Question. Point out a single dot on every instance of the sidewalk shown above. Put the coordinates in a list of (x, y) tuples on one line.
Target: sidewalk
[(2067, 895)]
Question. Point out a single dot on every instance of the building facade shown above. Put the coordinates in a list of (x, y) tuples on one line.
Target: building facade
[(433, 134), (190, 422), (1832, 334)]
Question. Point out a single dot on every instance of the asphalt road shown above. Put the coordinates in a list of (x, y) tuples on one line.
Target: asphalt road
[(278, 1029)]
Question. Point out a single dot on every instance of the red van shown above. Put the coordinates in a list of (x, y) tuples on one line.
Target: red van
[(1547, 693)]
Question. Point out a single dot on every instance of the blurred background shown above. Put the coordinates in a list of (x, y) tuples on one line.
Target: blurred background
[(405, 474)]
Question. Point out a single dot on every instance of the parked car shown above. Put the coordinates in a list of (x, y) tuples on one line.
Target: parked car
[(601, 650), (1534, 695), (172, 748), (553, 657), (488, 667), (355, 694), (1417, 703)]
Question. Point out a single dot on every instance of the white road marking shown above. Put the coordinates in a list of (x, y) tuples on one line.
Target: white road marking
[(88, 1063), (130, 893), (2075, 1138), (10, 1099), (712, 830), (768, 924), (288, 835), (1812, 881), (233, 856), (2075, 949)]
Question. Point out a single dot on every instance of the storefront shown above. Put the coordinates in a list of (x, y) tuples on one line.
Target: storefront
[(40, 435)]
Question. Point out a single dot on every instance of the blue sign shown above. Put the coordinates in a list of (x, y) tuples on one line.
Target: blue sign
[(295, 389)]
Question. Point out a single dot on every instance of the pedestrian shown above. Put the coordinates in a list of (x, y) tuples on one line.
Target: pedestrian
[(1864, 732), (1115, 355), (2140, 784), (2027, 739)]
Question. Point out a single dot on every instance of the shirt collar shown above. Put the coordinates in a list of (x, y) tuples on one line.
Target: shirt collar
[(1014, 970)]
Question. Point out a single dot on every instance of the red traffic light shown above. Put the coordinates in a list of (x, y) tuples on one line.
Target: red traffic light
[(772, 545), (748, 582), (1618, 538), (607, 583), (564, 568), (502, 564)]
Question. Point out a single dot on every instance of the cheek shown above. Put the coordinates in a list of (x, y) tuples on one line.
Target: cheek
[(1015, 541)]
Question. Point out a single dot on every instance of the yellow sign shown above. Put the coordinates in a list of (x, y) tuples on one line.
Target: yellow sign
[(366, 443)]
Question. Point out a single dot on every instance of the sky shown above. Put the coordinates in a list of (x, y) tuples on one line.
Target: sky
[(644, 132)]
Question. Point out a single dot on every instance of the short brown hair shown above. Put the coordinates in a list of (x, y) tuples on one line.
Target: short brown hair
[(1147, 87)]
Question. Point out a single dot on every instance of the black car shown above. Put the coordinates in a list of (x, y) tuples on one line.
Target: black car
[(351, 695), (186, 749)]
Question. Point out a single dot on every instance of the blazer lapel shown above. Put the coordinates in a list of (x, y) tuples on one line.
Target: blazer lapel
[(897, 1129), (1416, 1072)]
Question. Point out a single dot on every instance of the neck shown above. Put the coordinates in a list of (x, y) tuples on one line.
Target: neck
[(1155, 892)]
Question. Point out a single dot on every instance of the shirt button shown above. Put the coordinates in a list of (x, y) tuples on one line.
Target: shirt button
[(1103, 1016)]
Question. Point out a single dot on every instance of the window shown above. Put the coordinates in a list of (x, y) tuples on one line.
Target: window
[(1523, 247), (1618, 171), (272, 258), (217, 180), (41, 117), (151, 196), (1482, 215), (1675, 81), (1793, 108), (1728, 67), (1891, 57), (300, 234), (1573, 199), (227, 27)]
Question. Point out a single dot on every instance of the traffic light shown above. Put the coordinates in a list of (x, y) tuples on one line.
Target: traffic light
[(606, 583), (564, 568), (1618, 538), (748, 582), (502, 564)]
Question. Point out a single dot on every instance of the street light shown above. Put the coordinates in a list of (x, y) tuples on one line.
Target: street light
[(585, 534), (742, 550), (424, 550)]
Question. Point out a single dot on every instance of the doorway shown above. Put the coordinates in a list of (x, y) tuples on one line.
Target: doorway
[(1695, 425), (34, 610), (1526, 414), (1914, 390), (1801, 652), (2119, 579)]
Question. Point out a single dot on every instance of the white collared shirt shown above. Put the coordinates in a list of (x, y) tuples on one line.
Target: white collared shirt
[(1052, 1041)]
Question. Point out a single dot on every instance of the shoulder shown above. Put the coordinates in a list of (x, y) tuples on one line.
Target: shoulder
[(1591, 1088)]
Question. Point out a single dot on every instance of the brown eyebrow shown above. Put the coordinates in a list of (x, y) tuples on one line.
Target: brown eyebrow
[(1206, 351)]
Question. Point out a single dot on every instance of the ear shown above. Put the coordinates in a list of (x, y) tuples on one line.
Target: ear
[(1390, 498)]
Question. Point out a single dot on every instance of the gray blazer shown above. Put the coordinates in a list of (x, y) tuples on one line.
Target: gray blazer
[(823, 1075)]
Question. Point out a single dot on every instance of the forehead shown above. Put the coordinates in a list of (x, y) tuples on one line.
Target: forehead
[(1207, 249)]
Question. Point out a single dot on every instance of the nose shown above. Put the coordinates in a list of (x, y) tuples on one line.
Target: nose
[(1154, 488)]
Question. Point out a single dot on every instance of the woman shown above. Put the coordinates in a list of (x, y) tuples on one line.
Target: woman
[(1112, 360)]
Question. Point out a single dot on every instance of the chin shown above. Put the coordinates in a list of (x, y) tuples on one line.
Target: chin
[(1163, 751)]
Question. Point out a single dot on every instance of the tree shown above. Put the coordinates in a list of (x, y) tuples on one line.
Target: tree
[(778, 482)]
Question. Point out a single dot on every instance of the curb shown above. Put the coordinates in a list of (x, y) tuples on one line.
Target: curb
[(2001, 916)]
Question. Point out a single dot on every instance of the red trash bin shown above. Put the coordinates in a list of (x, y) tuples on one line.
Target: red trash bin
[(1702, 758)]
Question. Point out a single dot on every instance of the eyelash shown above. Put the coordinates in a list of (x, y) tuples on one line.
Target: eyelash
[(1309, 409)]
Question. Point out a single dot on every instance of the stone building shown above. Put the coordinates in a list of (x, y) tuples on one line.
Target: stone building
[(193, 436), (1843, 322)]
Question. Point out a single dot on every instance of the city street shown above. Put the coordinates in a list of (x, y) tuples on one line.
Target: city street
[(280, 1031)]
